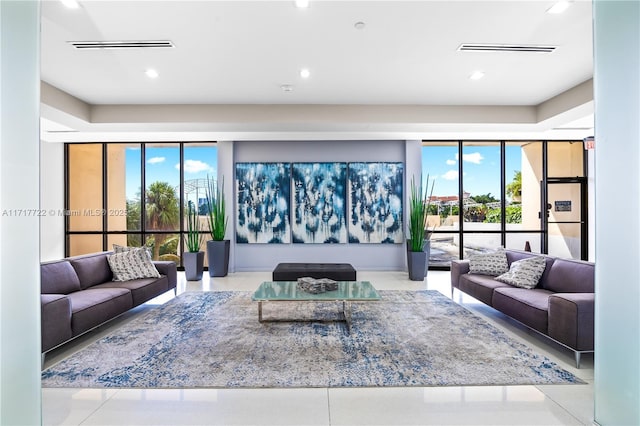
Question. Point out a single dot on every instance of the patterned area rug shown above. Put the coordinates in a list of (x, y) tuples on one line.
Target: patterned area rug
[(215, 340)]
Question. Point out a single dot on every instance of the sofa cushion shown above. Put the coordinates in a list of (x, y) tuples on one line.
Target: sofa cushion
[(492, 263), (92, 307), (571, 276), (524, 273), (92, 269), (142, 290), (479, 286), (530, 307), (58, 278), (132, 264)]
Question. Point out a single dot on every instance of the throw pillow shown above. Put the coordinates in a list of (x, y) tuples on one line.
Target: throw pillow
[(121, 249), (492, 263), (132, 264), (524, 273)]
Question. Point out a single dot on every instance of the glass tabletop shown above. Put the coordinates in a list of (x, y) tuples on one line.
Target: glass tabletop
[(288, 290)]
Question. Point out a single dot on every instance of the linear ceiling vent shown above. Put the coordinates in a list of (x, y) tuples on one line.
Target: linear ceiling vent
[(470, 47), (136, 44)]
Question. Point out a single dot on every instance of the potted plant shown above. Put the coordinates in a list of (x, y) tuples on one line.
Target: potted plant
[(418, 244), (217, 247), (193, 259)]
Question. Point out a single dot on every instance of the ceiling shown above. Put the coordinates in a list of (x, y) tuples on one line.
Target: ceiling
[(378, 69)]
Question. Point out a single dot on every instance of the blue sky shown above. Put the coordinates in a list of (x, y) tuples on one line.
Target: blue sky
[(162, 164), (481, 168)]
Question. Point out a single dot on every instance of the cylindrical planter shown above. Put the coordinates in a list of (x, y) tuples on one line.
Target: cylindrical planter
[(193, 265), (417, 262), (218, 257)]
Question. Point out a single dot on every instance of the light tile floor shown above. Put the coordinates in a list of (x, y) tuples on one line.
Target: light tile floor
[(476, 405)]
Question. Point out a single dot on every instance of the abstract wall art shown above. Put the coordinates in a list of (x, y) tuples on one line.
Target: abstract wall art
[(319, 202), (375, 202), (263, 202)]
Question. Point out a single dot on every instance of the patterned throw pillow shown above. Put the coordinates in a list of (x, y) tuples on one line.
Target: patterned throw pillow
[(117, 248), (524, 273), (493, 263), (132, 264)]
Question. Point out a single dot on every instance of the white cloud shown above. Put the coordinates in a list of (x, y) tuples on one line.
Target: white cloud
[(195, 166), (156, 160), (475, 158), (451, 162), (451, 175)]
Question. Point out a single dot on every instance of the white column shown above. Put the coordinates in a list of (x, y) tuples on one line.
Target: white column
[(617, 162), (19, 221)]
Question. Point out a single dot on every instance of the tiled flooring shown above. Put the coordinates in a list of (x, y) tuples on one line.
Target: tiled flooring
[(477, 405)]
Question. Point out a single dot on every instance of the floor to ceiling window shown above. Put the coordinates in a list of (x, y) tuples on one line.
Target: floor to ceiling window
[(135, 194), (489, 194)]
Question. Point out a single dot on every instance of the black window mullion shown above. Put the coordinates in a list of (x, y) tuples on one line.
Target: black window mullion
[(460, 201), (105, 201), (503, 194), (66, 199), (182, 202), (143, 195)]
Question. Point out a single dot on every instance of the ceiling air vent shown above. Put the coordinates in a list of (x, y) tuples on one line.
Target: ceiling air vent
[(471, 47), (136, 44)]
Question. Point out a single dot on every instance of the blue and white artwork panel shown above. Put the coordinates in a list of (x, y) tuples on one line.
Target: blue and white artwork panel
[(263, 203), (319, 203), (375, 202)]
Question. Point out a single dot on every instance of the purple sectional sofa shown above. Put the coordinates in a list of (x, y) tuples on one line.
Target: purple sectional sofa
[(560, 307), (78, 294)]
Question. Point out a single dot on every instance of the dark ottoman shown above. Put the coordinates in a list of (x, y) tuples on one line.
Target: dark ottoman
[(334, 271)]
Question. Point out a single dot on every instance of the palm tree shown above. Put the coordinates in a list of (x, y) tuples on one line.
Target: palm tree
[(162, 211), (514, 189)]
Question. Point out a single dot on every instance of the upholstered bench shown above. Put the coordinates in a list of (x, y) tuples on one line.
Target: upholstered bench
[(334, 271)]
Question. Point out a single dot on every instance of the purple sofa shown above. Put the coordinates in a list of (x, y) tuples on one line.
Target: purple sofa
[(560, 307), (78, 294)]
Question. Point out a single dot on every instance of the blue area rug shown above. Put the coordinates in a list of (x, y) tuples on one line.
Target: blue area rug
[(214, 340)]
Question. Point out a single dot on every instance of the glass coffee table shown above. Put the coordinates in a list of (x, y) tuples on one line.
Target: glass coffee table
[(288, 291)]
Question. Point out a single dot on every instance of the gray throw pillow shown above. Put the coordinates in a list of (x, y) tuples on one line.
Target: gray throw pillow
[(117, 248), (492, 263), (524, 273), (132, 264)]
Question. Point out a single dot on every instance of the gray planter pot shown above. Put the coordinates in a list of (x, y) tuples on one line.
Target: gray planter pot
[(218, 257), (417, 265), (193, 265), (426, 249)]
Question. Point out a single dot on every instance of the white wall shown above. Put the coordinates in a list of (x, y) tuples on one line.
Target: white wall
[(617, 152), (19, 224), (51, 201), (264, 257)]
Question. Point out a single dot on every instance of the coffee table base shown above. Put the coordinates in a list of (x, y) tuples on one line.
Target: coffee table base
[(346, 314)]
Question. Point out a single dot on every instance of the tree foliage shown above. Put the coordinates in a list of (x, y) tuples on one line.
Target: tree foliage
[(162, 212), (514, 188)]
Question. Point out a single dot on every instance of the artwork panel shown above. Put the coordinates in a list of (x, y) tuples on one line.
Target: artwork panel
[(376, 202), (263, 193), (319, 203)]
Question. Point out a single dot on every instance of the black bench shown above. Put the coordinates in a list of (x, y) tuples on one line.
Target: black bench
[(334, 271)]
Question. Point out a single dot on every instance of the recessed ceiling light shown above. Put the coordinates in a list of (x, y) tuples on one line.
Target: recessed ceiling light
[(71, 4), (151, 73), (305, 73), (476, 75), (359, 25), (286, 88), (559, 7), (302, 3)]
